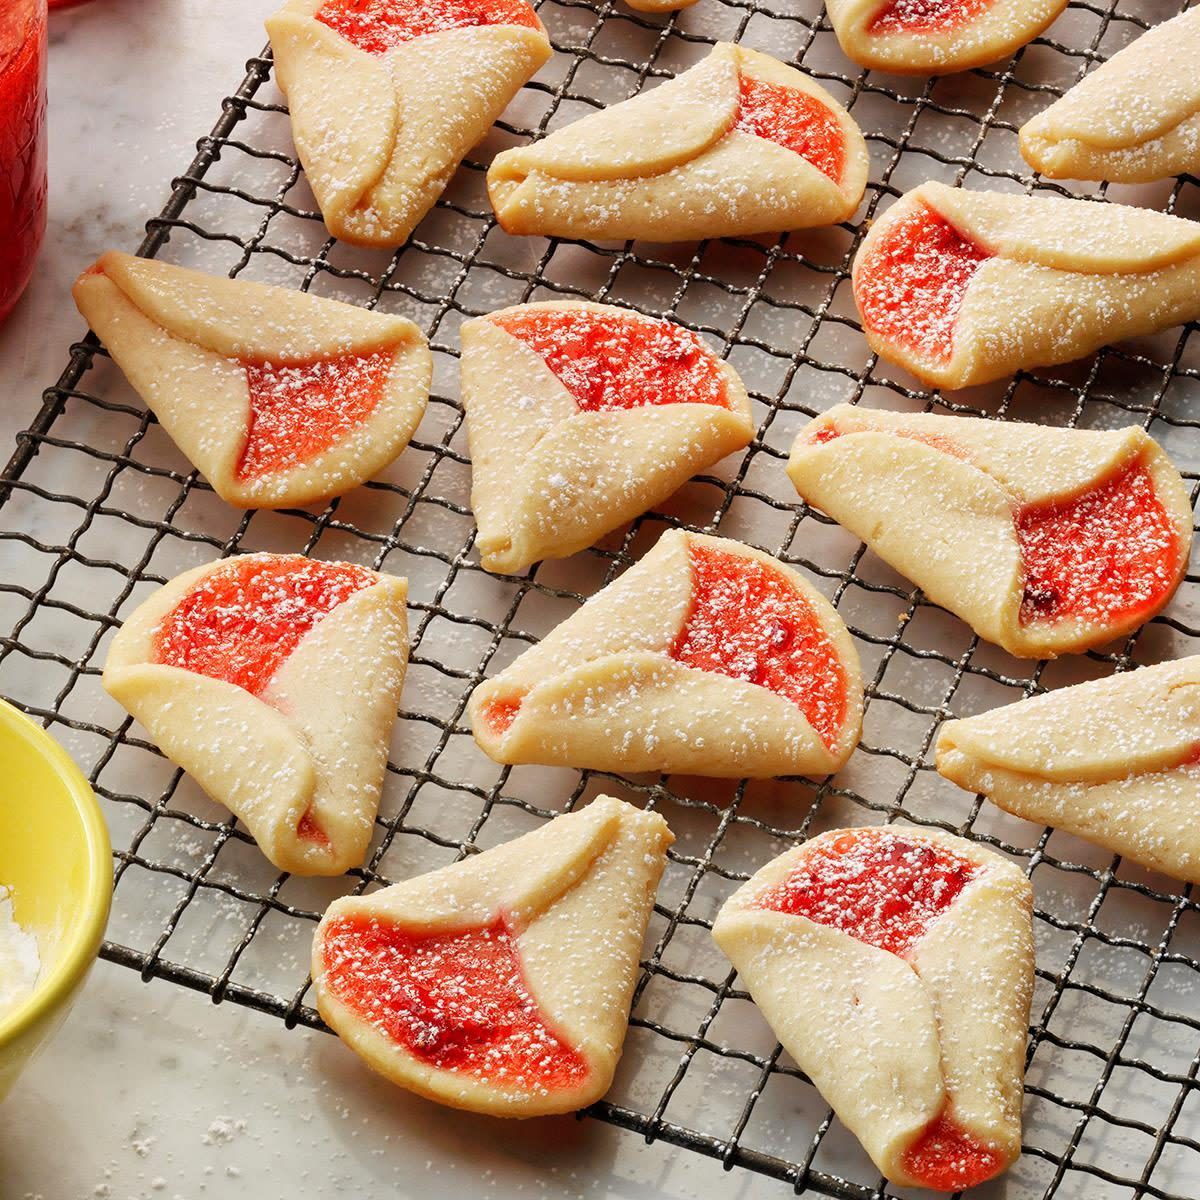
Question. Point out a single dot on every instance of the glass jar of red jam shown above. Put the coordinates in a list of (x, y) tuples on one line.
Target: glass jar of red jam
[(22, 144)]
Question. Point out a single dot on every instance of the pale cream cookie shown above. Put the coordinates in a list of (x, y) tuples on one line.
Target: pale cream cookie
[(936, 37), (739, 144), (502, 983), (386, 96), (895, 965), (1115, 761), (279, 398), (1045, 541), (1136, 118), (582, 416), (273, 680), (706, 657), (961, 287)]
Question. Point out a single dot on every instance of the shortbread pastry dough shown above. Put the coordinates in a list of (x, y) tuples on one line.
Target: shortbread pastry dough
[(502, 983), (936, 37), (613, 416), (294, 746), (1115, 761), (1045, 541), (681, 161), (906, 1002), (381, 129), (706, 657), (1136, 118), (280, 398), (1019, 282)]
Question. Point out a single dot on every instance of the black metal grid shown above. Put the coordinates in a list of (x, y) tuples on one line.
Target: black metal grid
[(98, 507)]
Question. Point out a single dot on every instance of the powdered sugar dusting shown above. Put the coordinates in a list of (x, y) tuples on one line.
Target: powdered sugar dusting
[(911, 284), (19, 960), (299, 412), (244, 618), (611, 360), (927, 16), (1107, 555), (877, 885), (378, 25), (794, 119), (457, 1000), (751, 623)]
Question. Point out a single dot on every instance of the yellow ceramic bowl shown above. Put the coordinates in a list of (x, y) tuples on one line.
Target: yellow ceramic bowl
[(56, 861)]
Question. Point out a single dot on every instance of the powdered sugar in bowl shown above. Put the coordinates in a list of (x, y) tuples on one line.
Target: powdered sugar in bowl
[(55, 887)]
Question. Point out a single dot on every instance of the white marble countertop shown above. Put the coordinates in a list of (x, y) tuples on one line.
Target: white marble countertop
[(149, 1090)]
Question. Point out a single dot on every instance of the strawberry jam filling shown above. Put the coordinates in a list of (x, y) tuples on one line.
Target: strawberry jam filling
[(243, 620), (748, 622), (829, 432), (888, 890), (458, 1001), (309, 831), (1110, 554), (949, 1158), (927, 16), (609, 362), (500, 714), (377, 25), (912, 282), (297, 413), (878, 886), (795, 120)]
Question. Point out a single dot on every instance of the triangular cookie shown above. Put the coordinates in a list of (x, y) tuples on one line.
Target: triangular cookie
[(1115, 761), (581, 417), (936, 37), (1136, 118), (273, 680), (896, 967), (502, 983), (279, 397), (1045, 541), (738, 144), (707, 658), (961, 288), (386, 96)]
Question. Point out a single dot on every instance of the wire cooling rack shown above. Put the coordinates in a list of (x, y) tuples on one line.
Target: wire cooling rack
[(97, 507)]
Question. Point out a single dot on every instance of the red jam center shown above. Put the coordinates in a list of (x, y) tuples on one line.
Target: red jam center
[(927, 16), (795, 120), (830, 432), (1107, 555), (912, 282), (458, 1001), (748, 622), (297, 413), (22, 147), (500, 714), (610, 361), (878, 886), (309, 831), (243, 620), (377, 25), (949, 1159)]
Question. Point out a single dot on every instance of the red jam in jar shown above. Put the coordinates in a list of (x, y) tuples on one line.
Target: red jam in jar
[(22, 144)]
